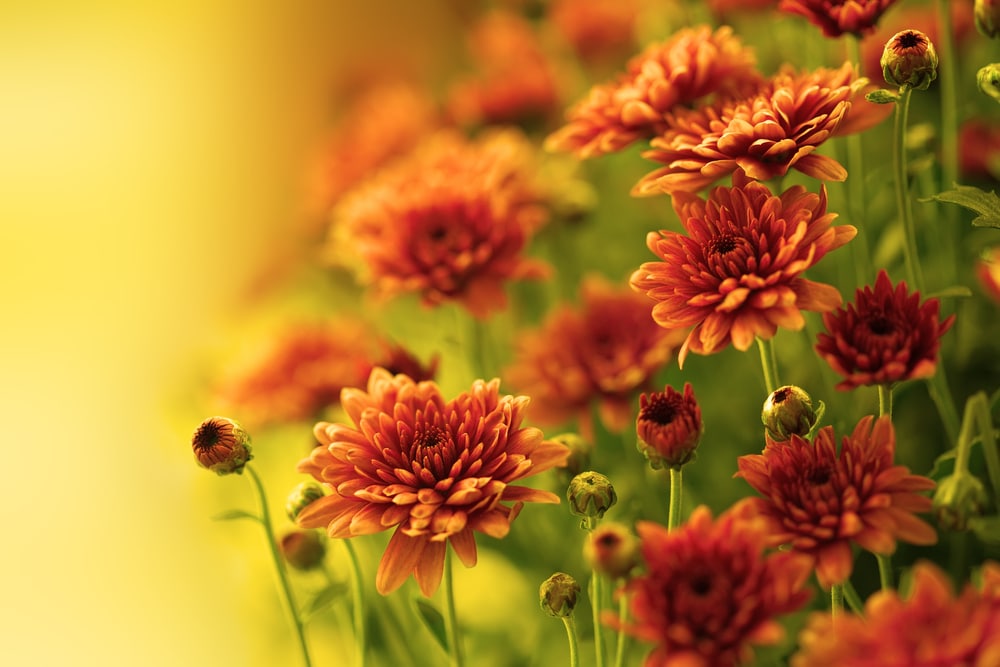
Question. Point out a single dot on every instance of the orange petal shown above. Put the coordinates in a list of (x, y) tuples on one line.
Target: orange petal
[(398, 561)]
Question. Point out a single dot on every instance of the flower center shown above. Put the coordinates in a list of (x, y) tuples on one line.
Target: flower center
[(207, 436), (909, 40), (880, 325), (701, 585), (819, 476), (722, 245), (782, 395), (660, 410)]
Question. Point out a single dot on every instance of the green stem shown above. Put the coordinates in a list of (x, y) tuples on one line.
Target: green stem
[(360, 635), (853, 599), (574, 653), (837, 599), (990, 452), (622, 638), (856, 184), (768, 363), (450, 618), (949, 99), (674, 509), (595, 604), (903, 204), (885, 400), (940, 393), (885, 571), (287, 598)]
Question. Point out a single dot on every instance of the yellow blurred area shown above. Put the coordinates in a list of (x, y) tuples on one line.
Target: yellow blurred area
[(152, 158)]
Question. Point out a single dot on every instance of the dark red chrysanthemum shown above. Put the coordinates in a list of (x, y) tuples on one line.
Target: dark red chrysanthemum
[(710, 591), (737, 274), (819, 500), (669, 426), (837, 17), (435, 470), (887, 335)]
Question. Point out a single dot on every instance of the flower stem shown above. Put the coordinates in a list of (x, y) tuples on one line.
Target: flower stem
[(450, 619), (595, 604), (949, 99), (910, 254), (287, 598), (990, 451), (885, 571), (674, 509), (357, 592), (837, 599), (622, 614), (885, 400), (853, 599), (574, 653), (856, 183), (768, 363)]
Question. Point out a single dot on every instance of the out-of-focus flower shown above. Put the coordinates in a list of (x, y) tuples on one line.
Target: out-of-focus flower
[(710, 591), (737, 274), (988, 80), (590, 495), (515, 81), (580, 451), (788, 411), (820, 501), (450, 222), (909, 59), (979, 149), (692, 65), (987, 17), (887, 335), (303, 495), (303, 549), (988, 273), (607, 351), (558, 594), (958, 498), (837, 17), (597, 30), (612, 550), (765, 134), (669, 427), (723, 10), (436, 470), (931, 626), (221, 445)]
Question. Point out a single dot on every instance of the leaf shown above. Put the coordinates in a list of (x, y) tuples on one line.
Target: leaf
[(953, 291), (987, 529), (936, 472), (233, 515), (432, 620), (324, 599), (986, 204)]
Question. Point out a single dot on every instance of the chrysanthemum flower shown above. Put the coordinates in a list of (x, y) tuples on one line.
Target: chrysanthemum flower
[(766, 134), (692, 65), (669, 426), (710, 591), (837, 17), (979, 150), (597, 30), (436, 470), (606, 351), (723, 10), (819, 500), (887, 335), (930, 627), (450, 222), (221, 445), (737, 274)]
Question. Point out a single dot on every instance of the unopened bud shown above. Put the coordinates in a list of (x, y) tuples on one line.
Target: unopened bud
[(987, 15), (221, 445), (612, 550), (788, 411), (301, 497), (958, 498), (909, 59), (988, 80), (590, 495), (557, 595), (303, 549), (580, 451), (668, 427)]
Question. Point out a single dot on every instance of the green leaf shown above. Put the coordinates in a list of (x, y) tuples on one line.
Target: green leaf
[(986, 204), (936, 471), (432, 620), (987, 529), (948, 292), (324, 599), (233, 515)]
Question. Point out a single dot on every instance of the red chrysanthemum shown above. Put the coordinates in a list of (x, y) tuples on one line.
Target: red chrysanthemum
[(710, 591), (988, 273), (692, 65), (605, 352), (737, 274), (669, 426), (836, 17), (450, 222), (766, 134), (887, 335), (930, 627), (979, 149), (819, 500), (436, 470)]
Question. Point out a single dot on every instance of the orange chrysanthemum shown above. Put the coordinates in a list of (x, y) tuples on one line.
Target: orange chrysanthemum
[(710, 591), (837, 17), (597, 30), (930, 627), (819, 500), (886, 336), (436, 470), (450, 222), (692, 65), (766, 134), (606, 352), (737, 274)]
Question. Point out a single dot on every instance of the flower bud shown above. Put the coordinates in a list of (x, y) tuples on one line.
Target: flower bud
[(788, 411), (590, 495), (557, 595), (301, 497), (909, 59), (988, 80), (303, 549), (221, 445), (668, 427), (612, 550), (958, 498), (580, 451), (987, 15)]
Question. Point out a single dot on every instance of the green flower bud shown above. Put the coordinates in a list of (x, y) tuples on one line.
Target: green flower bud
[(221, 445), (580, 451), (987, 15), (788, 411), (303, 549), (612, 550), (557, 595), (590, 495), (909, 59), (958, 498), (988, 80), (301, 497)]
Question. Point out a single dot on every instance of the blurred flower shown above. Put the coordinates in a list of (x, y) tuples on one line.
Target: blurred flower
[(450, 222), (930, 627), (590, 495), (887, 335), (765, 135), (436, 470), (737, 275), (723, 10), (988, 273), (597, 30), (909, 59), (820, 501), (979, 149), (612, 550), (607, 352), (788, 410), (558, 594), (221, 445), (669, 427), (836, 17), (692, 65), (959, 497), (710, 592), (302, 549), (580, 452), (987, 17)]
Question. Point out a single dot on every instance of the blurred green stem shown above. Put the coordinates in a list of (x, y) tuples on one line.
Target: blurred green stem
[(360, 635), (287, 598), (853, 599), (768, 363), (622, 638), (885, 571), (837, 599), (949, 104), (595, 603), (903, 205), (674, 509), (885, 400), (450, 618), (990, 452), (574, 653), (856, 184)]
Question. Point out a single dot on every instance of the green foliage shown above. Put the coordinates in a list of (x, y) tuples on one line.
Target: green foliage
[(985, 204)]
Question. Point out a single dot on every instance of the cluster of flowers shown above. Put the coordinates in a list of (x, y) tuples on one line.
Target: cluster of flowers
[(443, 202)]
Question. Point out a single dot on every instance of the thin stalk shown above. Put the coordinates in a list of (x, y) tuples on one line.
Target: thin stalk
[(358, 608), (949, 100), (574, 652), (885, 400), (768, 363), (910, 254), (885, 572), (986, 433), (287, 597), (853, 599), (837, 599), (450, 618), (595, 604), (856, 184), (622, 637), (674, 509)]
